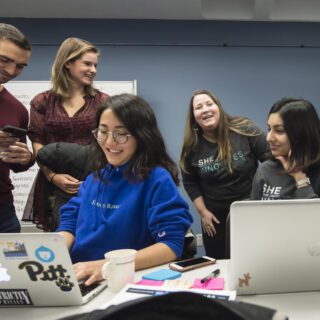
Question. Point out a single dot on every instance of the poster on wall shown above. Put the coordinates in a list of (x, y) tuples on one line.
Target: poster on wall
[(24, 91)]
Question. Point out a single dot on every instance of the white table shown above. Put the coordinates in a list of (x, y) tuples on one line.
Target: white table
[(298, 306)]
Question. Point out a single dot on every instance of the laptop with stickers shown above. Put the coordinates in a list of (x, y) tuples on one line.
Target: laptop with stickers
[(275, 246), (36, 270)]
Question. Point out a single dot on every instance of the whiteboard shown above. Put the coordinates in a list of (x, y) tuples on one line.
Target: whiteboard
[(24, 91)]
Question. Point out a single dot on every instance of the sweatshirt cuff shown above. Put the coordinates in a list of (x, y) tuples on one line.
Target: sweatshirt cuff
[(305, 193)]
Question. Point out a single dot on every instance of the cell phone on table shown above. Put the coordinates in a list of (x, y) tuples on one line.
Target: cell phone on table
[(190, 264), (15, 131)]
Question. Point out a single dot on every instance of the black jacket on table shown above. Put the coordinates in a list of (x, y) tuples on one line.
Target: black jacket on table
[(64, 157), (68, 158)]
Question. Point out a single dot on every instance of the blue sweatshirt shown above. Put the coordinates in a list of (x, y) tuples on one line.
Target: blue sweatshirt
[(123, 214)]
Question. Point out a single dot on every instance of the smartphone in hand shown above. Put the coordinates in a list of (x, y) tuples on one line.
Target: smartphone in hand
[(191, 264), (15, 131)]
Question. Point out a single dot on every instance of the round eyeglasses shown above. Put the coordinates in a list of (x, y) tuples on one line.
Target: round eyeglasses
[(117, 136)]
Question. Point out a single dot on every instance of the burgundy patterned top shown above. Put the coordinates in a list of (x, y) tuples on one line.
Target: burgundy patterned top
[(49, 121)]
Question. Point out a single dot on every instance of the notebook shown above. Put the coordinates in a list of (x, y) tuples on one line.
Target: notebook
[(36, 270), (275, 246)]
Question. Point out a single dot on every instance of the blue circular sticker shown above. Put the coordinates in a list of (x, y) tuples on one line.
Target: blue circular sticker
[(45, 254)]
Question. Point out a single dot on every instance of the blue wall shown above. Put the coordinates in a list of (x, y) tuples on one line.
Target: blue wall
[(248, 65)]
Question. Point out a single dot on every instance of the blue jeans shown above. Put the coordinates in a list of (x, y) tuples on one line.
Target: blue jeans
[(8, 218)]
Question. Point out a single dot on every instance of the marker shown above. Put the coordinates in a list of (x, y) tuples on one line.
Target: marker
[(213, 274)]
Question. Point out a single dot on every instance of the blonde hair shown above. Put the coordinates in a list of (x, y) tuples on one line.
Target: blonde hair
[(70, 50), (227, 123)]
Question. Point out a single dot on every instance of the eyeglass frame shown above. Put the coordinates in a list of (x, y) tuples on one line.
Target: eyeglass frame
[(115, 135)]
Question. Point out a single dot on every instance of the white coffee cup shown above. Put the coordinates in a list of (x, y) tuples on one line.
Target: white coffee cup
[(119, 268)]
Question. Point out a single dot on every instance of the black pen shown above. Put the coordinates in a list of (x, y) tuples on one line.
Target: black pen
[(213, 274)]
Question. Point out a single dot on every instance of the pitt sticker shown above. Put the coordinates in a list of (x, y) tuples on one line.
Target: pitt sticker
[(64, 283), (15, 297), (56, 273), (14, 249), (45, 254), (244, 282)]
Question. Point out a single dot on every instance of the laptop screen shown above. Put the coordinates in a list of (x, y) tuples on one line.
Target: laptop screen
[(275, 246)]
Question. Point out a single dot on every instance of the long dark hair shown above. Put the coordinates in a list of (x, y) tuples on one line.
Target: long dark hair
[(302, 126), (138, 117)]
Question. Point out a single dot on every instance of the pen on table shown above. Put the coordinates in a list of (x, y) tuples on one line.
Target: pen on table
[(213, 274)]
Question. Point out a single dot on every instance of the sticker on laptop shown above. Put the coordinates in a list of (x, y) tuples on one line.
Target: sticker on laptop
[(45, 254), (15, 297), (4, 275), (64, 283), (244, 281), (55, 273), (14, 250)]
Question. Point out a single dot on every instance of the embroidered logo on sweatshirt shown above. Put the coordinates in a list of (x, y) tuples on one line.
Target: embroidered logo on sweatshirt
[(105, 205), (161, 234)]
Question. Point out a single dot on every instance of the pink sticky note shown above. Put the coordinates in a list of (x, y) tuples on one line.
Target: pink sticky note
[(146, 282), (211, 284)]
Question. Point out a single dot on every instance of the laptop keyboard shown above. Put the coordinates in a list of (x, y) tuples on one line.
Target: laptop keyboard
[(86, 289)]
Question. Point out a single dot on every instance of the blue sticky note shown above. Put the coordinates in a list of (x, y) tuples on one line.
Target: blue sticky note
[(162, 274)]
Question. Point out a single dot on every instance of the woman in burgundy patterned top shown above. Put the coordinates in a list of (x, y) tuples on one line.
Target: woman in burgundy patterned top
[(63, 114)]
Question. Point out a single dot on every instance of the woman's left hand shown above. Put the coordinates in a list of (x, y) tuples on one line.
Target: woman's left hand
[(66, 183), (298, 174), (89, 272), (284, 161)]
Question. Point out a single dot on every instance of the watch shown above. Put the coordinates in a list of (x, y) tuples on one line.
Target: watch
[(303, 182)]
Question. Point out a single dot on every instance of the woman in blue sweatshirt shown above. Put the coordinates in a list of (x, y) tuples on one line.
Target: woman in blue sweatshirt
[(131, 200)]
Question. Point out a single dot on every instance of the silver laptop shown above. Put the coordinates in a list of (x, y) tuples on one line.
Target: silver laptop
[(275, 246), (36, 270)]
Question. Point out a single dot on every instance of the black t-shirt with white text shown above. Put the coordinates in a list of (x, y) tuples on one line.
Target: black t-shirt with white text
[(208, 177)]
